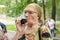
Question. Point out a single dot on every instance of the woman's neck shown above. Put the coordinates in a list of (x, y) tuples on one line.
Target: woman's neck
[(36, 22)]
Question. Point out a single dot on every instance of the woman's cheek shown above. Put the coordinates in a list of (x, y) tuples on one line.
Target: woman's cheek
[(33, 17)]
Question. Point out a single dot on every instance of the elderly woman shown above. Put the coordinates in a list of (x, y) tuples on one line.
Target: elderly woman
[(34, 16)]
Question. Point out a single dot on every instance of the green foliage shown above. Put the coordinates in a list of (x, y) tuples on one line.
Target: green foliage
[(20, 7), (17, 9), (57, 2), (58, 9), (49, 4), (0, 1)]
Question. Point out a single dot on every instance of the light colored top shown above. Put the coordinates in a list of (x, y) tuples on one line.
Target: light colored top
[(51, 23)]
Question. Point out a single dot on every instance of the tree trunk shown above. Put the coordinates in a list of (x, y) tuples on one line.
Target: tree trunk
[(53, 9), (43, 8)]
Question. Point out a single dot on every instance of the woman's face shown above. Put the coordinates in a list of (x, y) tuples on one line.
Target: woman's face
[(30, 14)]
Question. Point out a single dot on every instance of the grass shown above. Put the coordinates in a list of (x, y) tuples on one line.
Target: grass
[(10, 27), (57, 26)]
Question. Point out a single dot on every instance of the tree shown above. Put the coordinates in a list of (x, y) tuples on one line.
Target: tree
[(53, 9), (35, 1), (29, 1), (17, 8), (44, 8)]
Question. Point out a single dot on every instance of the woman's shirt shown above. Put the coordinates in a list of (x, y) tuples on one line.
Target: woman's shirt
[(32, 32)]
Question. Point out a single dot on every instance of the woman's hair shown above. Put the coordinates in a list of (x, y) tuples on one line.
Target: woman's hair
[(38, 10)]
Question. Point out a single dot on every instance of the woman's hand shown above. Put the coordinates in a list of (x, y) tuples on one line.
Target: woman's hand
[(20, 27), (18, 24)]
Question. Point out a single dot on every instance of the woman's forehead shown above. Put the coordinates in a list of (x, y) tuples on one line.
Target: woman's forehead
[(29, 8)]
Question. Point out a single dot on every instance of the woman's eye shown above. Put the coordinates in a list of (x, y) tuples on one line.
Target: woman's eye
[(25, 12), (30, 12)]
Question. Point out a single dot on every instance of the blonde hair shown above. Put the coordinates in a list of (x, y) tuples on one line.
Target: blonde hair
[(38, 10)]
